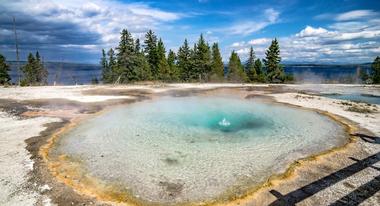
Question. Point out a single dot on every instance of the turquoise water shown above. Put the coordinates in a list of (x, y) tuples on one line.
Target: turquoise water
[(175, 150), (371, 99)]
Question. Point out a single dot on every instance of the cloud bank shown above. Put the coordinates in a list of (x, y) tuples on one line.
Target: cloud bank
[(65, 26), (353, 37)]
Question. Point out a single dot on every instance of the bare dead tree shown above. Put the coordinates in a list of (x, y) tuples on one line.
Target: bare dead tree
[(17, 53)]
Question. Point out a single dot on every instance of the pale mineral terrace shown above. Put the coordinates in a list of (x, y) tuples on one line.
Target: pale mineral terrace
[(346, 176)]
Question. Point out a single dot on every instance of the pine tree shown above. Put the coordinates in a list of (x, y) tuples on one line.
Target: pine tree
[(375, 71), (4, 69), (106, 73), (126, 59), (259, 71), (174, 72), (130, 63), (217, 66), (202, 61), (34, 72), (250, 66), (275, 72), (193, 71), (142, 68), (163, 67), (235, 69), (29, 71), (126, 46), (112, 66), (42, 73), (258, 67), (151, 52), (183, 63)]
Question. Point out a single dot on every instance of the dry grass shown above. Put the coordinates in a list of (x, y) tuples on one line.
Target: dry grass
[(360, 109), (303, 97)]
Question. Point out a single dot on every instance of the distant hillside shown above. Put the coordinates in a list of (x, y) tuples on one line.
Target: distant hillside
[(327, 65)]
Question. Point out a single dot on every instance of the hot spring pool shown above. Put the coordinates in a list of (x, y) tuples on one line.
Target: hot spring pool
[(190, 149)]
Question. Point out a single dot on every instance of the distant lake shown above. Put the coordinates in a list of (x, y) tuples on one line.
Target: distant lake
[(73, 73), (66, 73), (326, 73)]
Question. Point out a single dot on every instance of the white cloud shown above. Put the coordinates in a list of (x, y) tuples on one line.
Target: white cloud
[(311, 31), (260, 41), (89, 47), (243, 51), (348, 26), (355, 14), (270, 16), (144, 10), (245, 28), (238, 44), (349, 16)]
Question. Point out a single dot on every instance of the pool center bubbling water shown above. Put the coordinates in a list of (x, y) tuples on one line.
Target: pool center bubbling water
[(224, 123)]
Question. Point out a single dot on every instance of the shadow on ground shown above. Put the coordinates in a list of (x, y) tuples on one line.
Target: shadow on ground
[(367, 138), (357, 196)]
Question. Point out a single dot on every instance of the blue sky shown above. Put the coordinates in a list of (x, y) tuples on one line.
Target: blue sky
[(335, 31)]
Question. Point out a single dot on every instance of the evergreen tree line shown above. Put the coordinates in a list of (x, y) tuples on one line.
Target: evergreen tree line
[(132, 62), (33, 72), (202, 63)]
